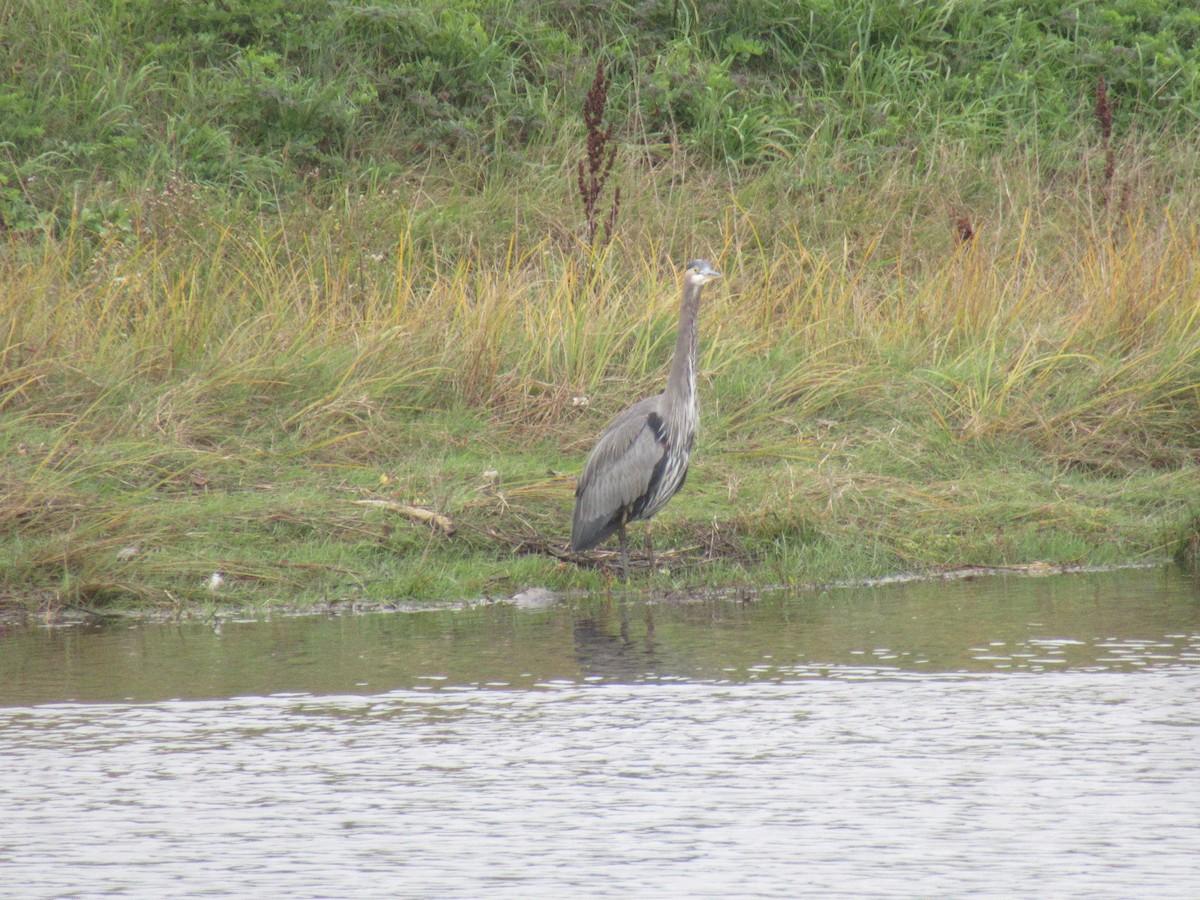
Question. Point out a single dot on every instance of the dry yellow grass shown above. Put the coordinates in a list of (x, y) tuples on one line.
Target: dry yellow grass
[(211, 358)]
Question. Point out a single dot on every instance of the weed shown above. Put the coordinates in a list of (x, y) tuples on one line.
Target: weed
[(1104, 116), (593, 171)]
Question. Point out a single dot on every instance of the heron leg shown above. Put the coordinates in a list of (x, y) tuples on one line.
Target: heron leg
[(648, 546), (624, 552)]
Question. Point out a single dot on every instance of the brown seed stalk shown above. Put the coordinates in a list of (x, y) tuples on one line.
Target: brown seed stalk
[(593, 171), (1104, 114)]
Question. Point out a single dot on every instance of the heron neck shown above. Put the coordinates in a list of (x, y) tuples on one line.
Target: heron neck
[(681, 380)]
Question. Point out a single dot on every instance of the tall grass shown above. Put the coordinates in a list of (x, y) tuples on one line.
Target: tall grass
[(1046, 319), (209, 387)]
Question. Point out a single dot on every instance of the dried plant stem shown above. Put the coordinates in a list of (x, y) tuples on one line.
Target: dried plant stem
[(1104, 114), (593, 172)]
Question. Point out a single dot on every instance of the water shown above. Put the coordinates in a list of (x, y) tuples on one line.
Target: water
[(1003, 737)]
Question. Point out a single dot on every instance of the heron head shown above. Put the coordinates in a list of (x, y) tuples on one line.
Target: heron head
[(700, 271)]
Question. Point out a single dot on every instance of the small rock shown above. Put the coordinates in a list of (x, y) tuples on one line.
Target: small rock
[(533, 598)]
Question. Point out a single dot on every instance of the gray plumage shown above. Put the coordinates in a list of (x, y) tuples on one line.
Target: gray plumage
[(641, 460)]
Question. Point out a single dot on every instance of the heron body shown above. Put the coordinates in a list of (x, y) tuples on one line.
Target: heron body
[(641, 459)]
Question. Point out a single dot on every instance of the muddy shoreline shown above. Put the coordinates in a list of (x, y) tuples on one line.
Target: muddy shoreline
[(50, 614)]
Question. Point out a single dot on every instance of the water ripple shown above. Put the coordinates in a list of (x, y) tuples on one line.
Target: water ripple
[(1080, 784), (995, 739)]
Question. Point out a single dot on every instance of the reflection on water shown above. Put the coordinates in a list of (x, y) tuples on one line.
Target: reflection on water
[(1119, 621), (1002, 737), (606, 646)]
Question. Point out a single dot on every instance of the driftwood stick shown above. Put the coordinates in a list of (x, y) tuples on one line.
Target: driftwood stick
[(418, 514)]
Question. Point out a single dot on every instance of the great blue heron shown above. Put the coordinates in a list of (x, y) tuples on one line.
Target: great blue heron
[(641, 460)]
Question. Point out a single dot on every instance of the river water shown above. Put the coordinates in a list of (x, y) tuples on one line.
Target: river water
[(999, 737)]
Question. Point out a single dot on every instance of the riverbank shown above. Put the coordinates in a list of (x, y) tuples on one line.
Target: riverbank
[(217, 612), (289, 295), (245, 414)]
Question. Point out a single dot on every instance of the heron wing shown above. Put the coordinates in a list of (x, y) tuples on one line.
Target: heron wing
[(617, 473)]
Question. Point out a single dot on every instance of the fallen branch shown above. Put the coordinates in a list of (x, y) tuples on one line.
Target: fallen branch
[(434, 520)]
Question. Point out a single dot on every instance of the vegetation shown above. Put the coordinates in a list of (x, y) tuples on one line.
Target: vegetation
[(265, 260)]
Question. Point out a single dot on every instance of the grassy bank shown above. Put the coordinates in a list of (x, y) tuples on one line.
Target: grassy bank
[(276, 274), (270, 99), (218, 390)]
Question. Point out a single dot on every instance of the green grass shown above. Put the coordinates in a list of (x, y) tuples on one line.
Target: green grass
[(219, 389), (291, 257), (276, 98)]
